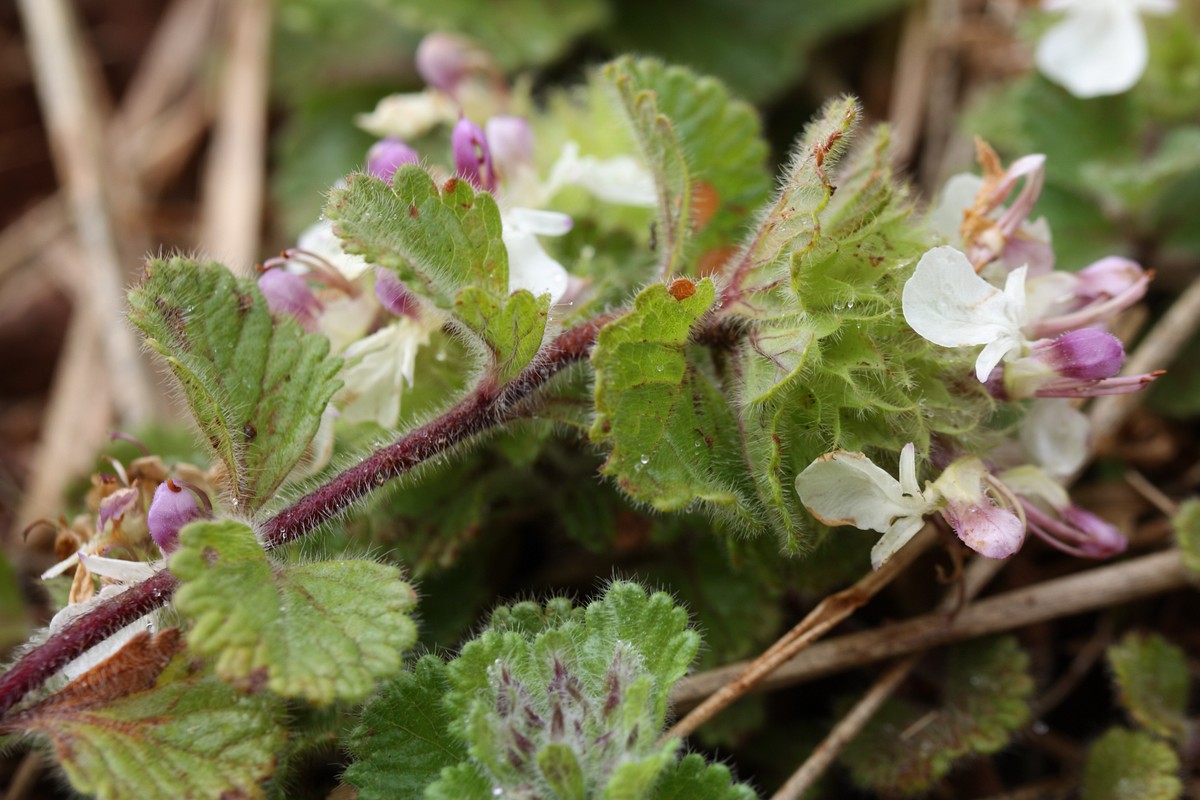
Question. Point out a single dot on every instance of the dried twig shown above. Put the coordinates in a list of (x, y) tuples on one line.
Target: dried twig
[(72, 120), (25, 776), (977, 576), (231, 206), (827, 615), (1101, 587)]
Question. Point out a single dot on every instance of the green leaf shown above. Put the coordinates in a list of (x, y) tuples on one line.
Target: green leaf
[(664, 420), (180, 732), (1131, 765), (986, 700), (322, 631), (706, 152), (13, 625), (561, 770), (403, 742), (512, 328), (518, 33), (256, 384), (1152, 678), (1186, 524), (792, 222), (692, 778), (463, 782), (437, 240)]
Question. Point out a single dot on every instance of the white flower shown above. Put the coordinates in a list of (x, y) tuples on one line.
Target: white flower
[(621, 180), (947, 303), (411, 115), (1055, 434), (842, 488), (1099, 48), (529, 266), (320, 240), (378, 368)]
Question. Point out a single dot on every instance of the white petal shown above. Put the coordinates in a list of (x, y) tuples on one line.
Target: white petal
[(621, 180), (120, 569), (1055, 435), (1157, 7), (543, 223), (530, 267), (957, 196), (947, 303), (842, 488), (993, 353), (908, 470), (409, 116), (1033, 483), (61, 567), (896, 537), (322, 241), (378, 367), (1098, 49)]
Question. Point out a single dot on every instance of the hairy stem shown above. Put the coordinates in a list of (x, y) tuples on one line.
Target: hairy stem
[(484, 407)]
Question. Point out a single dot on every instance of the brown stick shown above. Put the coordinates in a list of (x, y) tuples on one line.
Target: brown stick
[(828, 614), (231, 206), (72, 119), (1092, 589), (977, 576)]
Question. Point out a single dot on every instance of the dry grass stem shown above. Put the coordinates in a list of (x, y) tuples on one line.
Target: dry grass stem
[(828, 613)]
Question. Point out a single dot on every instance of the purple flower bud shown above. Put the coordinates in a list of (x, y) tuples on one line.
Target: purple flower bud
[(987, 529), (443, 59), (386, 155), (173, 507), (472, 159), (393, 295), (287, 293), (1087, 354), (1101, 540), (511, 142)]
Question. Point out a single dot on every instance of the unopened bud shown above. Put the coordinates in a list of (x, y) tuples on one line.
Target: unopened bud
[(393, 295), (472, 159), (386, 156), (287, 293), (173, 507)]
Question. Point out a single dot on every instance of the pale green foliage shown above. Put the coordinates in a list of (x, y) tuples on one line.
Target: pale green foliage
[(1130, 765), (445, 244), (1152, 678), (569, 700), (188, 736), (256, 384), (986, 699), (663, 417), (321, 631), (706, 152), (1187, 535)]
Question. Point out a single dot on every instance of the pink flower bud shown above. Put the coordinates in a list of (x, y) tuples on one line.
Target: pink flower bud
[(393, 295), (444, 59), (386, 155), (1085, 355), (287, 293), (511, 142), (173, 507), (1073, 530), (1109, 277), (472, 158), (987, 529)]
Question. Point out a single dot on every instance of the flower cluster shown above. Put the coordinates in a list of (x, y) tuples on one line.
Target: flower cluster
[(1042, 333), (321, 285)]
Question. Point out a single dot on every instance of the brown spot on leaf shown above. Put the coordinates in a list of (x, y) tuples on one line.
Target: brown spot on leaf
[(245, 302), (681, 288), (249, 431), (413, 212), (449, 186)]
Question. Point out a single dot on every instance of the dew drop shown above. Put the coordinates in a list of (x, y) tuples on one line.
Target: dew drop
[(659, 367), (850, 304), (440, 355), (645, 459), (497, 791)]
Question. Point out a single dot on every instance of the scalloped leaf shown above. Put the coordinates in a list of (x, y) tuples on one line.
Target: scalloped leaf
[(1131, 765), (146, 724), (1152, 678), (256, 384), (512, 328), (663, 419), (322, 631), (692, 778), (986, 699), (707, 153), (403, 742), (438, 240)]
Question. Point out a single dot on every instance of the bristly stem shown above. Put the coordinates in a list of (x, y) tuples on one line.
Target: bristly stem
[(484, 407)]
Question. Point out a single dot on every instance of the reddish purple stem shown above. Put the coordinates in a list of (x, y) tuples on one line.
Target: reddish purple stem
[(485, 407)]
